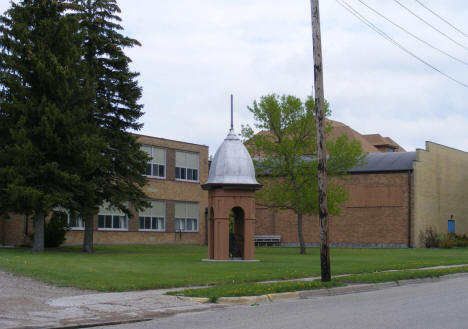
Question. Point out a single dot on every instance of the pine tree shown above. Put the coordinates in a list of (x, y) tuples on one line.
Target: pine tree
[(114, 109), (45, 131)]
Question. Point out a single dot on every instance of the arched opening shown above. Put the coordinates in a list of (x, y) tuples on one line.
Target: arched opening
[(236, 233)]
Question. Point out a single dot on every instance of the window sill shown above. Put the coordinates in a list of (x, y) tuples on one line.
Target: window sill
[(140, 230), (113, 229), (76, 228), (155, 177), (187, 181)]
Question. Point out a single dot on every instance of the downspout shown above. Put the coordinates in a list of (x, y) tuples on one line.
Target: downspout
[(409, 208), (206, 225)]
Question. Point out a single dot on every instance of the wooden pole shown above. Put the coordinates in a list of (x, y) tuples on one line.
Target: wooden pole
[(321, 150)]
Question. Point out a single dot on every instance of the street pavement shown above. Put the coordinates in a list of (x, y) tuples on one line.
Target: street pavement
[(440, 304)]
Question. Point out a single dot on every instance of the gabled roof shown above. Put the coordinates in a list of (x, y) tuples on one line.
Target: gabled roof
[(386, 162)]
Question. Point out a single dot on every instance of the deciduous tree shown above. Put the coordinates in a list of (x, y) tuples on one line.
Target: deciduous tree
[(285, 154)]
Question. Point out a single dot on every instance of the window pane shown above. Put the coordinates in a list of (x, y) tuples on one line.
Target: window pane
[(147, 223), (192, 210), (189, 225), (189, 174), (162, 171), (195, 224), (108, 221), (159, 155), (192, 160), (161, 223), (116, 222), (158, 209), (123, 221), (195, 174), (181, 159), (154, 223), (146, 149), (142, 223), (101, 221), (177, 172), (155, 170), (183, 173), (148, 169), (180, 209)]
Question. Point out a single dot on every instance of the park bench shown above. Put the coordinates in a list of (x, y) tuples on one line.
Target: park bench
[(267, 240)]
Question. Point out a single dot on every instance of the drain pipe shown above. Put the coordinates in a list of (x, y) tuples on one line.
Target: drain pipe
[(409, 208)]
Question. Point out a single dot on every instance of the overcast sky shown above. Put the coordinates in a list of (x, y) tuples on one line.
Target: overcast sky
[(196, 52)]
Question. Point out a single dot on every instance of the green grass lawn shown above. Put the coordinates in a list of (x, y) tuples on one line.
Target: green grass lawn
[(130, 267)]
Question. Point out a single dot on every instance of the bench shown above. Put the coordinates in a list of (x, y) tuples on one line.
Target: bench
[(267, 240)]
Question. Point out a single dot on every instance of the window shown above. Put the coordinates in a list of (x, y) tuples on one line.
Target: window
[(110, 218), (74, 221), (451, 226), (157, 165), (186, 217), (187, 166), (153, 219)]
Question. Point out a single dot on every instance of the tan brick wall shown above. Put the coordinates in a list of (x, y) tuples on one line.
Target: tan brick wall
[(441, 189), (12, 230), (375, 214), (167, 189)]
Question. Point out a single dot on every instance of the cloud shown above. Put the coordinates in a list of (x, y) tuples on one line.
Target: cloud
[(195, 53)]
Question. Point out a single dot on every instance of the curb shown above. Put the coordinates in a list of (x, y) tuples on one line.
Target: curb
[(350, 289)]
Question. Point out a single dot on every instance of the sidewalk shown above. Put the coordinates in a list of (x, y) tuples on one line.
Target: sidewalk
[(26, 303)]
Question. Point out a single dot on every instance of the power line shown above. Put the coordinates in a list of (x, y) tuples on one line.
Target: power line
[(429, 24), (441, 18), (355, 13), (414, 36)]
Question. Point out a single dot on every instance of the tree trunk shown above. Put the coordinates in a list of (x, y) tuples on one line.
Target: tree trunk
[(88, 243), (300, 234), (38, 244), (321, 151)]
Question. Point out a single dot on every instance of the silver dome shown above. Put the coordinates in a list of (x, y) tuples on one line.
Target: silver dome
[(232, 165)]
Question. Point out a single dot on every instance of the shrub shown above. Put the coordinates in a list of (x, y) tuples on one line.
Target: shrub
[(447, 240), (462, 240), (55, 229), (429, 238)]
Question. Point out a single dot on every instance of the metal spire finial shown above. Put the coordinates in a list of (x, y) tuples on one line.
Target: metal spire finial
[(232, 111)]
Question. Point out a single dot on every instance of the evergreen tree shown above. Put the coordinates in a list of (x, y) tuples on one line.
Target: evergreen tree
[(114, 109), (45, 131)]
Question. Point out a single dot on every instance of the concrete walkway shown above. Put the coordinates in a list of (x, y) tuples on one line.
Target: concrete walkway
[(27, 303)]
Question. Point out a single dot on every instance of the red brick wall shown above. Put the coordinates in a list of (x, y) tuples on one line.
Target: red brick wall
[(375, 214)]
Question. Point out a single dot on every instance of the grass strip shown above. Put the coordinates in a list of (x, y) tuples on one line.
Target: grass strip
[(377, 277), (254, 289)]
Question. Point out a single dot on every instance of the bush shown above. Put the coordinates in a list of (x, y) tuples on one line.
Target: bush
[(447, 240), (462, 240), (55, 229), (429, 238)]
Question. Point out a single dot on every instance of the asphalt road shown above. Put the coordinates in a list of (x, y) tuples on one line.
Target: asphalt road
[(442, 305)]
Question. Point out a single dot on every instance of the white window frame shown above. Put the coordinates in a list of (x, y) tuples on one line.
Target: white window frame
[(187, 168), (185, 219), (105, 210), (78, 218), (153, 217), (152, 163)]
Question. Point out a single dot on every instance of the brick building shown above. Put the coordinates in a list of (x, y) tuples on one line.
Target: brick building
[(392, 198), (178, 203)]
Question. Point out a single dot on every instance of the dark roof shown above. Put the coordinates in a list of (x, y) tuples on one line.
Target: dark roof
[(388, 161)]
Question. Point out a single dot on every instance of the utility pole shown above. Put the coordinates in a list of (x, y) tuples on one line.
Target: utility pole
[(321, 151)]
